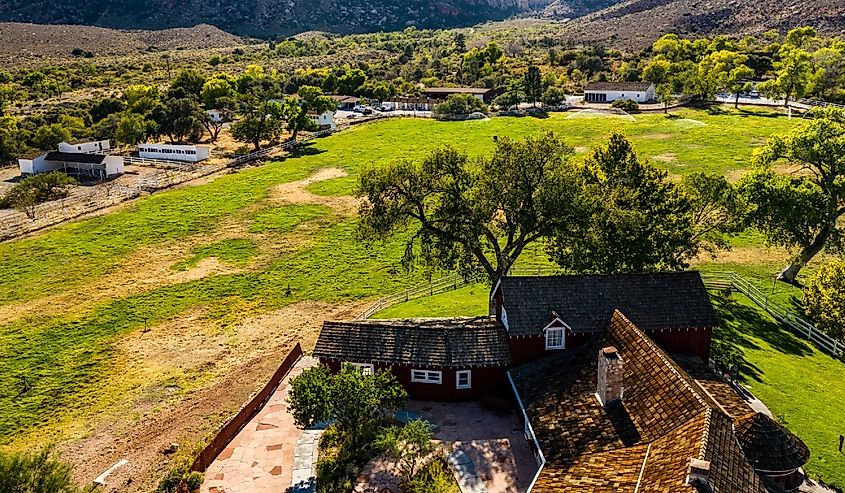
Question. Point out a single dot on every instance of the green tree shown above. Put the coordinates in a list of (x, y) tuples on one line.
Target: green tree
[(460, 104), (9, 139), (179, 119), (140, 98), (794, 70), (801, 212), (729, 72), (260, 110), (218, 91), (188, 83), (532, 84), (48, 137), (824, 298), (638, 221), (36, 189), (131, 129), (39, 472), (553, 96), (474, 214), (7, 97), (409, 447), (657, 72), (665, 96), (512, 96), (356, 402)]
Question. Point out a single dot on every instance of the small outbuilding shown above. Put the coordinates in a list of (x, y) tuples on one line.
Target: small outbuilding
[(608, 92), (441, 93), (772, 450), (450, 359), (92, 147), (325, 120), (172, 152)]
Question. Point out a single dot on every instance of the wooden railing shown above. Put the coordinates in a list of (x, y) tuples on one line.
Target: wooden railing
[(779, 312)]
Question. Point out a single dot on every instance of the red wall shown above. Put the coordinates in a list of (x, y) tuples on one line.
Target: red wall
[(485, 381)]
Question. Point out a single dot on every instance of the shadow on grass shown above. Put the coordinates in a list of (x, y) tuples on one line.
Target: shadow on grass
[(306, 149), (742, 326)]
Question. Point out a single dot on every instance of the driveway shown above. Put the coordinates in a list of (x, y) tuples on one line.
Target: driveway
[(261, 457)]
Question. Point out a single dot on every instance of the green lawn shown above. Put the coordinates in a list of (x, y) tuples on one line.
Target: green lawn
[(800, 384), (55, 359)]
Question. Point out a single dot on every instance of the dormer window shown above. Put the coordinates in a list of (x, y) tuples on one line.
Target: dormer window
[(555, 338)]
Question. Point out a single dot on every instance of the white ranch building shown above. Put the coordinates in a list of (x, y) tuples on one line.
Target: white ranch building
[(98, 166), (93, 147), (608, 92), (172, 152), (324, 120)]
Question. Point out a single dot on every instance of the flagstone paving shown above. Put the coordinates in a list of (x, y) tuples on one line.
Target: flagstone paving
[(261, 457)]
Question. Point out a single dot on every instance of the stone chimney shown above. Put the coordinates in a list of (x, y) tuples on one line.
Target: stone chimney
[(698, 472), (610, 378)]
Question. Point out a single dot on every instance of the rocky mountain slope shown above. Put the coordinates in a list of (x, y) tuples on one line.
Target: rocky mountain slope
[(271, 17), (636, 23)]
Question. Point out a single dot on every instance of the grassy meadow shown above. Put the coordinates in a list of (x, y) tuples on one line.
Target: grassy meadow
[(231, 249)]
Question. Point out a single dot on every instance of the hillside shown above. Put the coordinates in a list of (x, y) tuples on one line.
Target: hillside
[(637, 23), (25, 40), (271, 17)]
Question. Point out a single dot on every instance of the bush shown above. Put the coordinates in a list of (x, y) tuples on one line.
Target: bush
[(460, 104), (194, 479), (824, 299), (625, 104), (433, 478), (554, 96), (40, 472)]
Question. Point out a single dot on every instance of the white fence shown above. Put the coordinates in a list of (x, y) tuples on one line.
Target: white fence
[(712, 280)]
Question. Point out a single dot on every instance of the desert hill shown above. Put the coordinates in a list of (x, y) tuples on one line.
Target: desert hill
[(636, 23)]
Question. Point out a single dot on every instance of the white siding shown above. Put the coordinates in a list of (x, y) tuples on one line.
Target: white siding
[(188, 153)]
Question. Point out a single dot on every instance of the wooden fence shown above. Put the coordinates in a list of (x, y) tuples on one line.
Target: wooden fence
[(712, 280), (779, 312), (232, 427)]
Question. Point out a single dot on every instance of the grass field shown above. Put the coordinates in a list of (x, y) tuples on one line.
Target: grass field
[(797, 381), (72, 298)]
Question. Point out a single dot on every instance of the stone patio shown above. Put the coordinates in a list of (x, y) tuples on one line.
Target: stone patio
[(261, 457)]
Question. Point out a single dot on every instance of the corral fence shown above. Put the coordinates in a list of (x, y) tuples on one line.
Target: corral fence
[(733, 281), (237, 422), (15, 223), (820, 104), (712, 280)]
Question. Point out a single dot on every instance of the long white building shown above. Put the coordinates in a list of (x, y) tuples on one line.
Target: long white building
[(608, 92), (93, 147), (95, 165), (174, 152)]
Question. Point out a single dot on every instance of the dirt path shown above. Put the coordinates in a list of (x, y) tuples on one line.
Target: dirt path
[(244, 363), (296, 192)]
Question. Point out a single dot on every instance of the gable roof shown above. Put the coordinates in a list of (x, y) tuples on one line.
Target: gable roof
[(642, 442), (618, 86), (456, 90), (452, 343), (665, 300), (71, 157)]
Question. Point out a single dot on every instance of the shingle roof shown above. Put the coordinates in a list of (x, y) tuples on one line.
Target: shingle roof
[(663, 420), (768, 446), (456, 90), (455, 342), (618, 86), (668, 300), (75, 158)]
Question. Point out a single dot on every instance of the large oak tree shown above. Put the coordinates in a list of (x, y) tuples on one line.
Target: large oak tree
[(478, 213)]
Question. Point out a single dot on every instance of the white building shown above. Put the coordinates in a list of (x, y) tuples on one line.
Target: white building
[(98, 166), (172, 152), (608, 92), (96, 146), (215, 115), (324, 121)]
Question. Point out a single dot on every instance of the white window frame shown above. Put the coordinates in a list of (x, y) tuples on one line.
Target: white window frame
[(556, 326), (365, 368), (458, 375), (426, 376)]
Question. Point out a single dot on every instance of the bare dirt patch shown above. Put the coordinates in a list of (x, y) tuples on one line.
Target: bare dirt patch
[(668, 157), (231, 364), (296, 192), (657, 136)]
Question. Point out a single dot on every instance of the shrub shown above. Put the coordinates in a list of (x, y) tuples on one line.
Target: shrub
[(460, 104), (194, 479), (433, 478), (554, 96), (39, 472), (824, 298), (625, 104)]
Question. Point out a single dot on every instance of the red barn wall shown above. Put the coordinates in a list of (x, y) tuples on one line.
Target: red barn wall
[(692, 341), (485, 381)]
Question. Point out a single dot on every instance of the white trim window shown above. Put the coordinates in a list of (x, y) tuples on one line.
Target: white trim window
[(463, 379), (365, 368), (555, 338), (427, 376)]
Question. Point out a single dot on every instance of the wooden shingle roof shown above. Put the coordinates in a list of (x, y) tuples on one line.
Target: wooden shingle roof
[(666, 300), (663, 420), (618, 86), (448, 343), (768, 446)]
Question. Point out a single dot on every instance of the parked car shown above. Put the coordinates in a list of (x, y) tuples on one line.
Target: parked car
[(387, 107), (364, 110)]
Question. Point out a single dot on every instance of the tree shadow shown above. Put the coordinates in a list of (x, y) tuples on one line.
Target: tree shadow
[(306, 149), (739, 323)]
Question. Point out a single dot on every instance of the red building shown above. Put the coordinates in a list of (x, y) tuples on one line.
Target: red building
[(454, 359)]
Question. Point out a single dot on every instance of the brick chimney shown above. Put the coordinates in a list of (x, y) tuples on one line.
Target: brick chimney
[(698, 472), (610, 378)]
